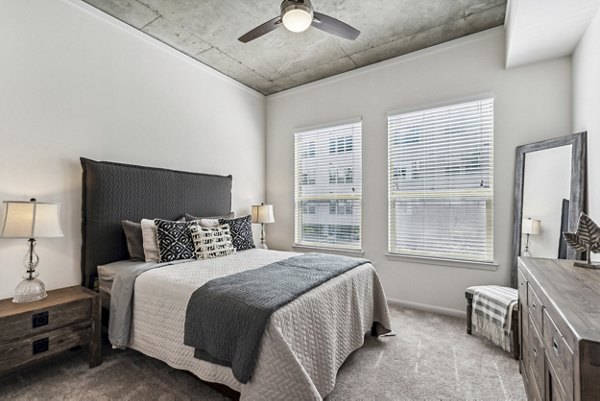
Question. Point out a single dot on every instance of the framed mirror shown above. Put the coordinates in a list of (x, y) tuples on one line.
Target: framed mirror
[(549, 196)]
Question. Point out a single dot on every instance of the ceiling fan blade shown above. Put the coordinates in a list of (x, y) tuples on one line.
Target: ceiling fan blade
[(261, 30), (334, 26)]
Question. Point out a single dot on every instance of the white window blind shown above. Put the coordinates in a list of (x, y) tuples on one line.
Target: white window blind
[(328, 194), (441, 182)]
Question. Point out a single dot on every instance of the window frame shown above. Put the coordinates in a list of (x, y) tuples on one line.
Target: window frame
[(444, 260), (344, 144)]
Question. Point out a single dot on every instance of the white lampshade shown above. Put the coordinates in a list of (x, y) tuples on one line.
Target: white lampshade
[(263, 214), (31, 220), (297, 20), (532, 226)]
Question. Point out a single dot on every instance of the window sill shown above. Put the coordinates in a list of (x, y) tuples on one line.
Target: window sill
[(308, 248), (465, 264)]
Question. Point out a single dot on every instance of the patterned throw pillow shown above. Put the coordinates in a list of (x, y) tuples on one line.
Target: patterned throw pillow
[(174, 240), (241, 232), (212, 242)]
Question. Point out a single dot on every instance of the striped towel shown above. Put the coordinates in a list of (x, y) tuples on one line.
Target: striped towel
[(492, 313)]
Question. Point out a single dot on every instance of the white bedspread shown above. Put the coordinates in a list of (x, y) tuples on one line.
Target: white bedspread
[(304, 344)]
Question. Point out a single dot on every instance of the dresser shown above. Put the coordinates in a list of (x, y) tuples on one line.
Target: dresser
[(35, 331), (559, 329)]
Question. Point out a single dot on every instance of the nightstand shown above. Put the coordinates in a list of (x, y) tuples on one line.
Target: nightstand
[(32, 332)]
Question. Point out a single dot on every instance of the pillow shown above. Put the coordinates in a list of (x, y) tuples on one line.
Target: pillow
[(189, 217), (208, 223), (174, 240), (150, 239), (135, 240), (211, 242), (150, 242), (241, 232)]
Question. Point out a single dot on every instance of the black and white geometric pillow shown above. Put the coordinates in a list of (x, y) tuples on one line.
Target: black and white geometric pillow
[(174, 240), (212, 242), (241, 232)]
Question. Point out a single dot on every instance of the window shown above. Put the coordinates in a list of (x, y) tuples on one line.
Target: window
[(441, 188), (341, 175), (310, 150), (308, 178), (309, 207), (341, 207), (328, 192), (341, 144)]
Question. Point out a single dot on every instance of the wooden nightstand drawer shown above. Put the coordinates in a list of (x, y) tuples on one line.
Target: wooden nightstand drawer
[(43, 345), (43, 320), (33, 331)]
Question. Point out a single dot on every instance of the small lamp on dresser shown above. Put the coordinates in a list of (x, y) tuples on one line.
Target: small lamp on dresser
[(262, 214), (530, 227), (31, 220)]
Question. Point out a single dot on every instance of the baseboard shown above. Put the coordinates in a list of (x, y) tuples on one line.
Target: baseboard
[(428, 308)]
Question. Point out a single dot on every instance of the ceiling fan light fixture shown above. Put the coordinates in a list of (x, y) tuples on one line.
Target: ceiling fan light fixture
[(296, 16)]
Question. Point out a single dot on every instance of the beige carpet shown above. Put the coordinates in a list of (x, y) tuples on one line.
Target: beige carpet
[(431, 358)]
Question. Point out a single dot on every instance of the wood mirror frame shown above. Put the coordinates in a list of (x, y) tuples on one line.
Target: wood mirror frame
[(577, 196)]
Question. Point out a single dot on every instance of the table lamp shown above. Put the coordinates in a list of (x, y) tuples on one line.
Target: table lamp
[(30, 220), (262, 214), (530, 227)]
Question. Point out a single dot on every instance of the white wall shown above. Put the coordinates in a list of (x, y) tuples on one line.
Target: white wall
[(74, 82), (586, 107), (531, 103)]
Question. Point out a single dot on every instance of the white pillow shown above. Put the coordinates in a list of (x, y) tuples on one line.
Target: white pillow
[(212, 242), (150, 240), (209, 223)]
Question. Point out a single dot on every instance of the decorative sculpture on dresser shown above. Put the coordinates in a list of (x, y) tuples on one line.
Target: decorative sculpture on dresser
[(585, 239)]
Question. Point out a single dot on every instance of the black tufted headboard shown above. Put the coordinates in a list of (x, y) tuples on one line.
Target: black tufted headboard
[(113, 192)]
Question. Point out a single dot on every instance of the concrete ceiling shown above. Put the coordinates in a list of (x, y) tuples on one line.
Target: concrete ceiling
[(207, 30)]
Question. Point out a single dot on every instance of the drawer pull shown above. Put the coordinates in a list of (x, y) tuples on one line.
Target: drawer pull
[(534, 351), (40, 319), (40, 345), (533, 305), (554, 345)]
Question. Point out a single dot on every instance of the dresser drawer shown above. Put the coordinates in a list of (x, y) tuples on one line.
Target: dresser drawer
[(40, 346), (525, 340), (535, 308), (559, 355), (554, 388), (536, 357), (522, 287), (43, 320)]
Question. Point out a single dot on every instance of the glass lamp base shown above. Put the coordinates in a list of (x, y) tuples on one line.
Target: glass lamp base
[(29, 290)]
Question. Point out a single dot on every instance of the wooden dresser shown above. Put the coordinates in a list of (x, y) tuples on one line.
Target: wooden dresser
[(559, 320), (34, 331)]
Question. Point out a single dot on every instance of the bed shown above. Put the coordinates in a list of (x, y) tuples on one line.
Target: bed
[(305, 341)]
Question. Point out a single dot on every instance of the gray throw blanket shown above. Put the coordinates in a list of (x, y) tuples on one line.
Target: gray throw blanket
[(121, 300), (226, 317)]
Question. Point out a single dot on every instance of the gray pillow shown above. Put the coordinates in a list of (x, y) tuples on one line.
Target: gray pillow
[(133, 233), (189, 217)]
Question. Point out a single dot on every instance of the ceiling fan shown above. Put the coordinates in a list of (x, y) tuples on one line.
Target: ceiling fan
[(297, 16)]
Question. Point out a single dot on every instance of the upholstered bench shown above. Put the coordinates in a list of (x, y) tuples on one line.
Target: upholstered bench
[(514, 330)]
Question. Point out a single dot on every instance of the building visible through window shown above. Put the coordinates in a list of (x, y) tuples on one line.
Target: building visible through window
[(328, 191), (441, 188)]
